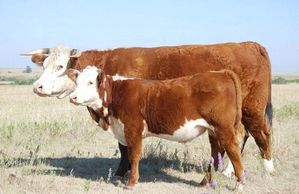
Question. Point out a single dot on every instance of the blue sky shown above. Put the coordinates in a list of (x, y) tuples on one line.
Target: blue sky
[(32, 24)]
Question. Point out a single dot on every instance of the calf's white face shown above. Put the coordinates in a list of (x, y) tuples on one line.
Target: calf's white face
[(86, 92), (54, 81)]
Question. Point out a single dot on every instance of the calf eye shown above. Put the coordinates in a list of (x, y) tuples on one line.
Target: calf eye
[(90, 83), (59, 67)]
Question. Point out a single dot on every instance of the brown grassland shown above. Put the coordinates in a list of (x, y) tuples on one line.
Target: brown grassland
[(51, 146)]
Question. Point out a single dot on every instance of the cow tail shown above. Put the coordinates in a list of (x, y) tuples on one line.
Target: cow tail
[(268, 109), (238, 90)]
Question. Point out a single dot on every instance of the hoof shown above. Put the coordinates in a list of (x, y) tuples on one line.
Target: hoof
[(229, 171), (239, 187), (121, 173), (128, 187), (269, 166), (117, 177), (204, 182), (117, 181)]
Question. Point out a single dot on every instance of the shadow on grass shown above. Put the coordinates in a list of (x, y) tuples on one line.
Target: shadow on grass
[(151, 170)]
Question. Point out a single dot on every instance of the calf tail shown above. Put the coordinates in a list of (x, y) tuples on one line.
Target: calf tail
[(238, 90)]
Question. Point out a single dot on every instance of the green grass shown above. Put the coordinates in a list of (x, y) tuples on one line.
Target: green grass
[(290, 110), (18, 80), (281, 80)]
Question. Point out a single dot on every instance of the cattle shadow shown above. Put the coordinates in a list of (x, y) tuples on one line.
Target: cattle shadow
[(101, 168)]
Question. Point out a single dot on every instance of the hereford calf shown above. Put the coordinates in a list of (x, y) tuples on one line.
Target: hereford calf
[(178, 110)]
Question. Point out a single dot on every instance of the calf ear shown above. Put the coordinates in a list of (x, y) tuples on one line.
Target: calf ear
[(38, 59), (75, 53), (72, 74), (93, 114)]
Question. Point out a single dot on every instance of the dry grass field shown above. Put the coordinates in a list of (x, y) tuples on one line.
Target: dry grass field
[(51, 146)]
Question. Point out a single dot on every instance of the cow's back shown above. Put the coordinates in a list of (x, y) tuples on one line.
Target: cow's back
[(248, 60)]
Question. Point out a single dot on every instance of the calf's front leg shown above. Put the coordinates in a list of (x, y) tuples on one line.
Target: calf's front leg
[(124, 165), (134, 141)]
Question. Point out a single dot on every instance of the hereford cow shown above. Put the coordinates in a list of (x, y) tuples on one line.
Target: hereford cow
[(179, 110), (248, 60)]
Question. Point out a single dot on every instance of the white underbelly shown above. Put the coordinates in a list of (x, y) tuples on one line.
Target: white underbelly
[(187, 132), (116, 127)]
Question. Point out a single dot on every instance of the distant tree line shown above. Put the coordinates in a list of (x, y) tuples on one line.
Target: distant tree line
[(28, 69), (281, 80)]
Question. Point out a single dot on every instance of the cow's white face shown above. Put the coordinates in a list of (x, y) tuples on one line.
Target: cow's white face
[(86, 92), (54, 80)]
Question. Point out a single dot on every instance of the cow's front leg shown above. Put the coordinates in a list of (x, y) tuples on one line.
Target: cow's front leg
[(124, 165), (134, 141)]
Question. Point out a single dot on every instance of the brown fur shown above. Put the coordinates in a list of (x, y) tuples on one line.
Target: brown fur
[(38, 59), (165, 105), (248, 60)]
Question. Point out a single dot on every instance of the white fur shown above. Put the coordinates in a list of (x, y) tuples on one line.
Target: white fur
[(268, 164), (116, 127), (190, 130), (105, 96), (53, 81), (119, 77), (87, 94), (229, 171), (105, 111), (239, 187), (145, 129)]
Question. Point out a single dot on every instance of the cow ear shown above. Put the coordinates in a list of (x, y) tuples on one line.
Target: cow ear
[(75, 53), (72, 74), (38, 59), (100, 77)]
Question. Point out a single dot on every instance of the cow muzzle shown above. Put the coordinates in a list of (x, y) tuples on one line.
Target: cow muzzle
[(39, 90), (73, 99)]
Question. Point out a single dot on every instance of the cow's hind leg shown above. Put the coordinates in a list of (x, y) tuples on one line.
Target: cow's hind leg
[(124, 165), (217, 152)]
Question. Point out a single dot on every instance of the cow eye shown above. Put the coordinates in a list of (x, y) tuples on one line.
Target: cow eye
[(59, 67), (90, 83)]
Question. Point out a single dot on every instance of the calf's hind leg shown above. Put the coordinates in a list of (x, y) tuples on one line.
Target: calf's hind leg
[(233, 150), (242, 134), (216, 151)]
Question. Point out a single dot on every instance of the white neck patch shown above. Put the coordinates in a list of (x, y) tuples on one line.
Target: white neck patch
[(119, 77), (116, 127)]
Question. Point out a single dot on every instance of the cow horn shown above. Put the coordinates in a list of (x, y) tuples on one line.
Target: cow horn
[(75, 53), (43, 51)]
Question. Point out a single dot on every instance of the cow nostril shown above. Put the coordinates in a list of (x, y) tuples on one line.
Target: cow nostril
[(75, 97), (40, 87)]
